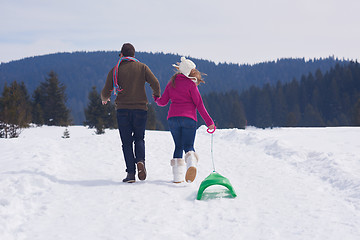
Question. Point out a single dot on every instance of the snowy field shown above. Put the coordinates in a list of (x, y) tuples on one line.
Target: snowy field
[(292, 183)]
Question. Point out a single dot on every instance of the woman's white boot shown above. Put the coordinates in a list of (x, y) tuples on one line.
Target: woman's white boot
[(191, 159), (178, 168)]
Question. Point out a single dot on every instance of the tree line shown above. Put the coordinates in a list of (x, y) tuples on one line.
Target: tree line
[(317, 100), (80, 71), (47, 106)]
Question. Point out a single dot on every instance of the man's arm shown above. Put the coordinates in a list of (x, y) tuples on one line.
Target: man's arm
[(153, 81), (106, 91)]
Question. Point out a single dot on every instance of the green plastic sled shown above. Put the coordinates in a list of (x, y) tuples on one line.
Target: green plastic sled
[(215, 179)]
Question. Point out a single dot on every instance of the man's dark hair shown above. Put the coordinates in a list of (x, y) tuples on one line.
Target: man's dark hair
[(128, 50)]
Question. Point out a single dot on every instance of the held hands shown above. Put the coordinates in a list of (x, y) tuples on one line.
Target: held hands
[(155, 97), (211, 127)]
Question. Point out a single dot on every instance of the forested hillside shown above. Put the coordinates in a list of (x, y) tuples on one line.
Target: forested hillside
[(80, 71), (320, 99)]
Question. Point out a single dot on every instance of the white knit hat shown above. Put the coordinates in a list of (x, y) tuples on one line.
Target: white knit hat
[(185, 66)]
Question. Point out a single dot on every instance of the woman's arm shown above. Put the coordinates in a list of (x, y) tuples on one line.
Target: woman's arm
[(196, 97), (164, 99)]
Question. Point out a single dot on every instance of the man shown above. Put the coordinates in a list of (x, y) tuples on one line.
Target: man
[(128, 80)]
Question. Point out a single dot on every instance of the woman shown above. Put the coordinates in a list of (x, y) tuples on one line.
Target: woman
[(185, 100)]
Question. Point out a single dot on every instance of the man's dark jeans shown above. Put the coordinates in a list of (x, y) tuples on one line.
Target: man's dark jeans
[(183, 130), (131, 124)]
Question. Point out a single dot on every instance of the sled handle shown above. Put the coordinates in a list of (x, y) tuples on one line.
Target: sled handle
[(211, 131)]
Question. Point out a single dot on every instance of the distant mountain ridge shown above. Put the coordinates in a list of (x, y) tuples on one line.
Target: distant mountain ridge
[(79, 71)]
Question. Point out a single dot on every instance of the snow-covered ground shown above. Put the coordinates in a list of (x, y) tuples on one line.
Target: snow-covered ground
[(292, 183)]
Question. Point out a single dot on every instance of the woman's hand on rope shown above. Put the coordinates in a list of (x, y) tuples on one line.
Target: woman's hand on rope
[(211, 128)]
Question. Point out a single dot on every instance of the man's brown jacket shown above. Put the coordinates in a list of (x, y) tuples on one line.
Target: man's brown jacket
[(132, 77)]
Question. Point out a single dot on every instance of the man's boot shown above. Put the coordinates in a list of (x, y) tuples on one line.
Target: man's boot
[(130, 178), (141, 170)]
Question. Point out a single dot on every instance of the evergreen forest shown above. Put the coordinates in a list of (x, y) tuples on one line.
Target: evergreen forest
[(327, 96), (316, 100), (81, 71)]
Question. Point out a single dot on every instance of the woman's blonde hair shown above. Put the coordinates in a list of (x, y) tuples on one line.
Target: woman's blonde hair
[(193, 74)]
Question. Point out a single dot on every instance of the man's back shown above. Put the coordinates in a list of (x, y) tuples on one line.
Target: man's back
[(132, 77)]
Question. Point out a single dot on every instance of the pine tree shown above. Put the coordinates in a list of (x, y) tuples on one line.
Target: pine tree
[(357, 113), (100, 126), (312, 117), (291, 120), (93, 111), (294, 117), (263, 108), (151, 118), (97, 115), (238, 115), (15, 109), (15, 105), (292, 94), (279, 106), (50, 103), (66, 133), (24, 117), (37, 110), (110, 116)]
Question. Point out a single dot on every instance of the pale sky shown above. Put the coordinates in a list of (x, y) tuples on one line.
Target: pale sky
[(233, 31)]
